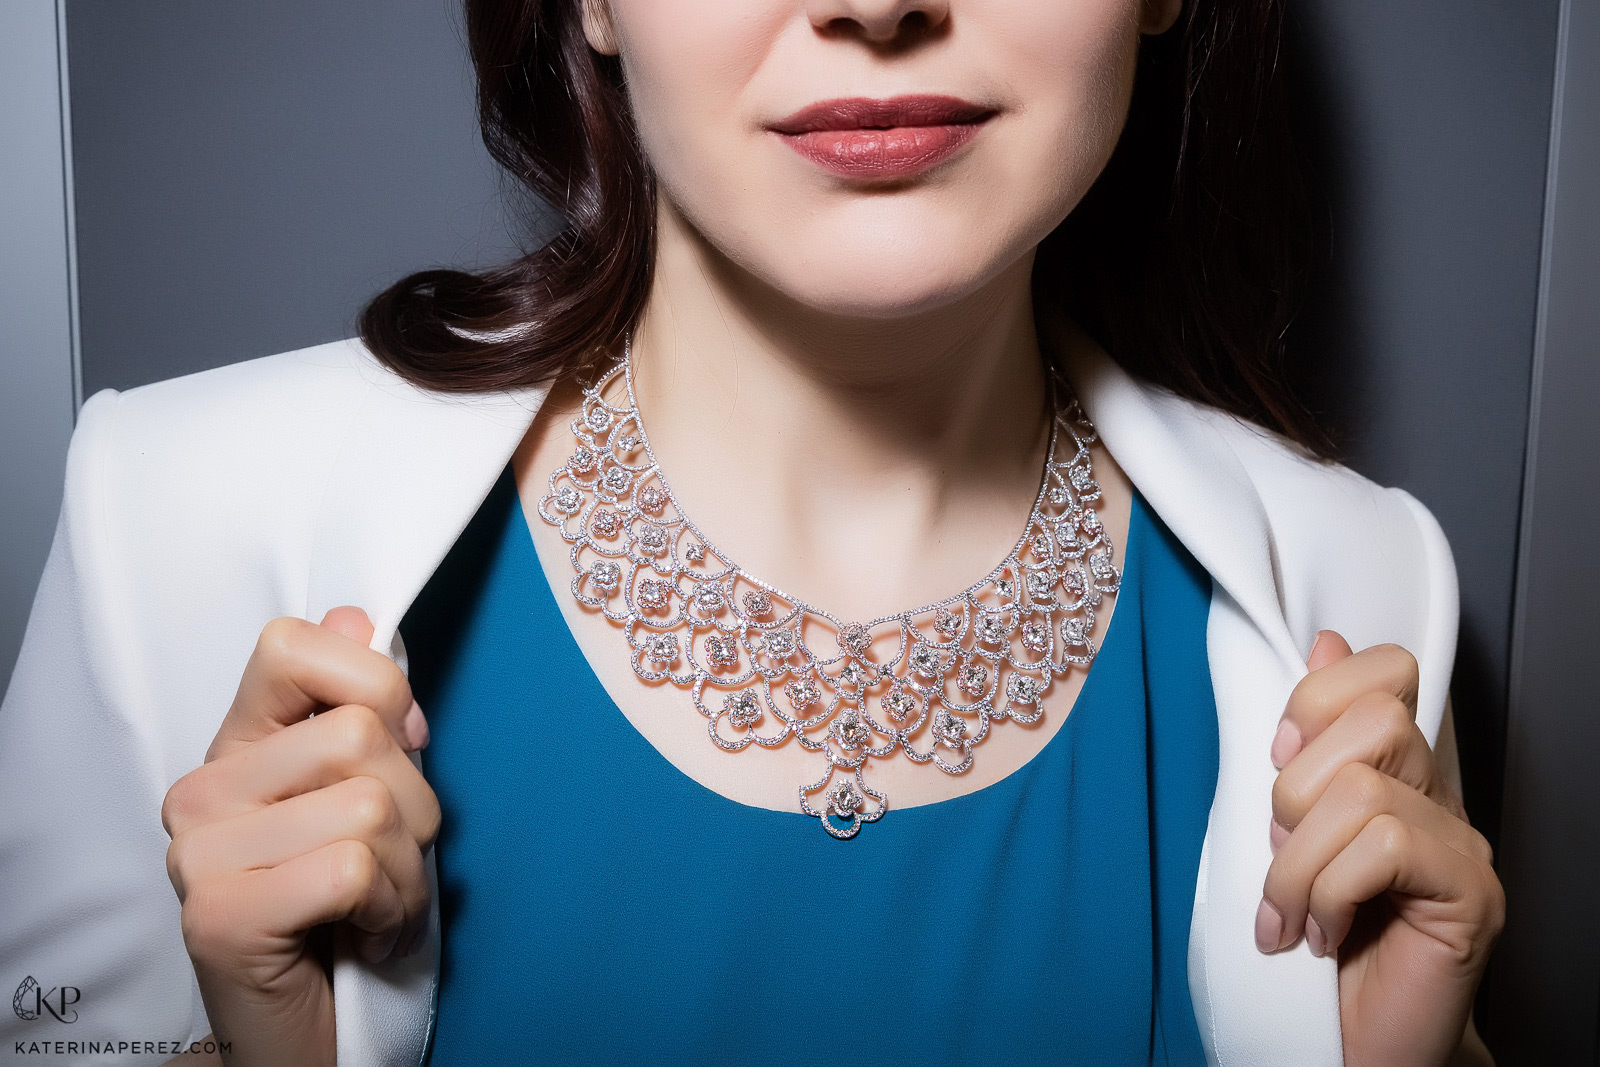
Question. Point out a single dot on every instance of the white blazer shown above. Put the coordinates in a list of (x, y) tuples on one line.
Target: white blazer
[(198, 508)]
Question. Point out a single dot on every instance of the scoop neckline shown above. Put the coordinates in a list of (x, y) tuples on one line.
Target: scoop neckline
[(1130, 567)]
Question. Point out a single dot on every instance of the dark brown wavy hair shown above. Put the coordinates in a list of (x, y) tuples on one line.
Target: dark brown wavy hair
[(1186, 260)]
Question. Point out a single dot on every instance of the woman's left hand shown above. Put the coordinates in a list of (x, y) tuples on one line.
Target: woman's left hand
[(1375, 859)]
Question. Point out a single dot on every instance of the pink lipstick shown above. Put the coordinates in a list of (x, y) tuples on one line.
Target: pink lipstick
[(861, 137)]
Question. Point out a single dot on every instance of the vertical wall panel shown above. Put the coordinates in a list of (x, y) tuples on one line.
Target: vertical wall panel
[(248, 173), (1546, 1002), (36, 369)]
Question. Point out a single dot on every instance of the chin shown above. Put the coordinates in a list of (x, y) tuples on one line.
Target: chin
[(869, 291), (870, 280)]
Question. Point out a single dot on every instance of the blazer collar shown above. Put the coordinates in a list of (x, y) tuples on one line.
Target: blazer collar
[(1180, 456), (414, 467)]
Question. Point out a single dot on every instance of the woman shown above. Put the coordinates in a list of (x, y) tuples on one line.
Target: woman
[(829, 301)]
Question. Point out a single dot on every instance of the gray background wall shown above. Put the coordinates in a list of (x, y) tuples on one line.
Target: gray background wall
[(244, 175), (37, 397)]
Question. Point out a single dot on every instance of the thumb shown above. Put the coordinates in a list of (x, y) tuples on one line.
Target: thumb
[(350, 621), (1329, 647)]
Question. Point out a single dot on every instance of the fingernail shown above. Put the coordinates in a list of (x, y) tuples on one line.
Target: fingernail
[(1269, 927), (1279, 835), (1285, 744), (1316, 940), (416, 727)]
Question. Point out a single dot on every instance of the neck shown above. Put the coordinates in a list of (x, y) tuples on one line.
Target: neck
[(882, 462)]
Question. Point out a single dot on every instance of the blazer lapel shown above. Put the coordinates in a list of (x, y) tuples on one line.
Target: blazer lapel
[(1184, 466), (413, 470)]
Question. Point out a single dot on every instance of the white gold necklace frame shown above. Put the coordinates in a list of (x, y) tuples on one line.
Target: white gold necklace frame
[(762, 666)]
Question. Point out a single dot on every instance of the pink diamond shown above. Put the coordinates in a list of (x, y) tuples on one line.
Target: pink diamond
[(654, 593)]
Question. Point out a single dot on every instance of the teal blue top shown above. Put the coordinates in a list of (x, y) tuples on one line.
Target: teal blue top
[(601, 907)]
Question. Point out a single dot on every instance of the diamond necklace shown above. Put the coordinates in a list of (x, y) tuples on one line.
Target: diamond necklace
[(763, 666)]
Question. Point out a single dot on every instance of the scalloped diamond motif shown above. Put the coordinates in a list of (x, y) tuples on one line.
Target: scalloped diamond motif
[(762, 666)]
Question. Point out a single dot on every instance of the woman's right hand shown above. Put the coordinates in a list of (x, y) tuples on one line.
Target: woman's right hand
[(307, 811)]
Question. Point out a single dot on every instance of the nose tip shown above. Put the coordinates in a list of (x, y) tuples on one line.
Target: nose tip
[(879, 22)]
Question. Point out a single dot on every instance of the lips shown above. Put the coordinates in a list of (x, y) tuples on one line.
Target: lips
[(862, 137)]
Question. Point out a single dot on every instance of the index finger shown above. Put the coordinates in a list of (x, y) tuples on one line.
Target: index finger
[(299, 668), (1328, 691)]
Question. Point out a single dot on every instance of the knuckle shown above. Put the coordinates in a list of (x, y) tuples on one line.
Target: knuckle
[(1289, 799), (394, 688), (195, 925), (280, 637), (1392, 718), (1360, 787), (1390, 835), (360, 735), (1394, 731), (352, 869), (194, 799), (371, 806), (207, 924), (177, 807), (1405, 667), (1311, 701), (178, 866)]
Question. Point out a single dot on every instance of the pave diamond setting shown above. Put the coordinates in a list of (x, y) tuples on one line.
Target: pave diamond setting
[(927, 683)]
